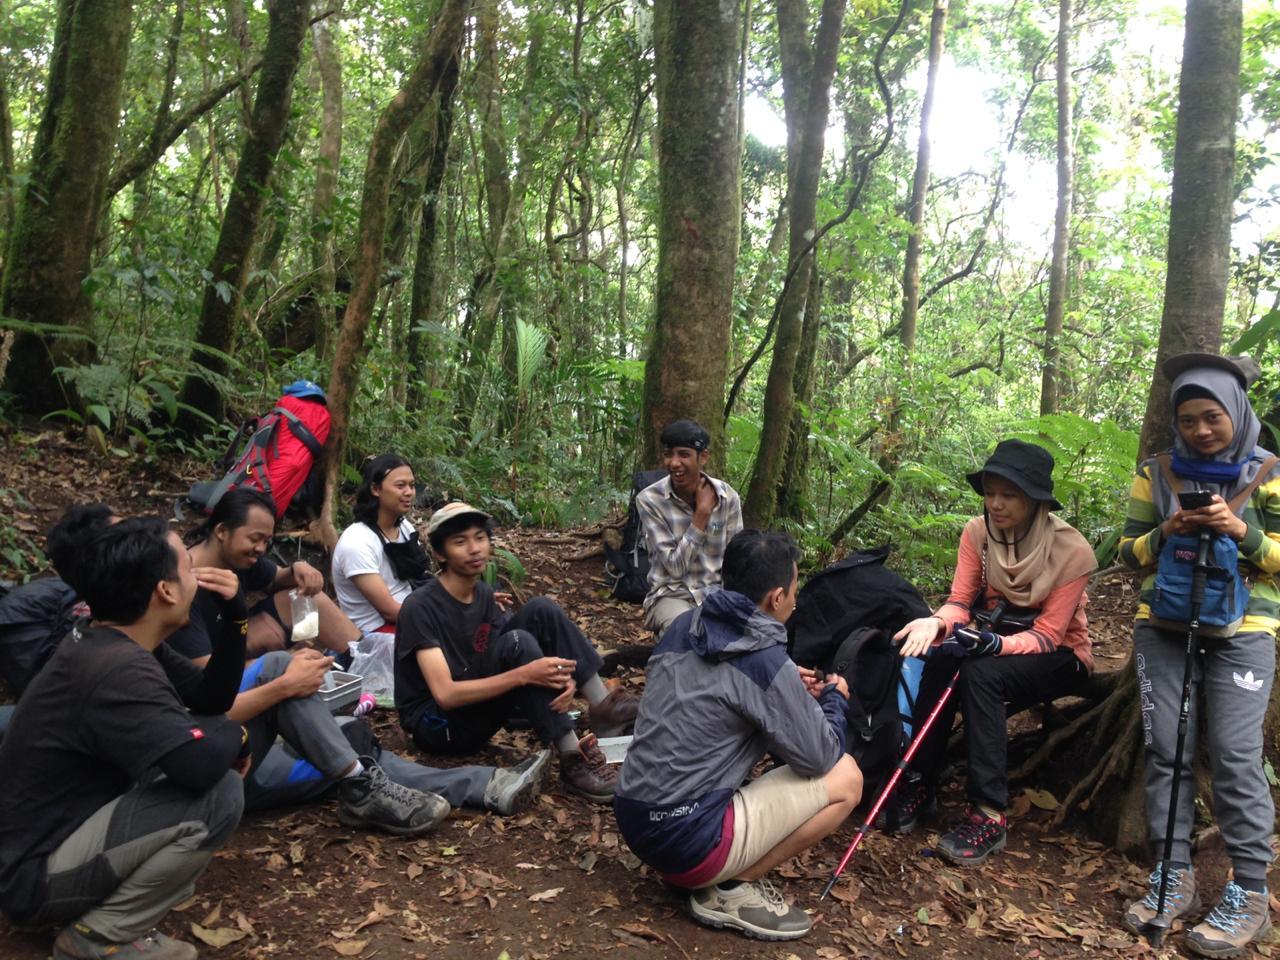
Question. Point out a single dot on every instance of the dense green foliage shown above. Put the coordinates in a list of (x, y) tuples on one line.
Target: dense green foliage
[(551, 435)]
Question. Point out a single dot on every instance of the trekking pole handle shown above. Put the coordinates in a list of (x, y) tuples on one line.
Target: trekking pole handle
[(1201, 572)]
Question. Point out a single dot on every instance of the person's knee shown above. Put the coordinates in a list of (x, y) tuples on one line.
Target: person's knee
[(542, 607), (272, 665), (516, 647), (844, 782), (224, 806)]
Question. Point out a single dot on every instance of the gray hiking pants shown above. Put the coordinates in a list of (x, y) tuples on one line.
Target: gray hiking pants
[(138, 856), (1234, 677)]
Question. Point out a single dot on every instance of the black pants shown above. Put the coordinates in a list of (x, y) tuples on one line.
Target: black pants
[(989, 689), (539, 629)]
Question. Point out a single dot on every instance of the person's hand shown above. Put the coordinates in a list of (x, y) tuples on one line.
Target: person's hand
[(562, 701), (918, 636), (705, 503), (1218, 518), (989, 644), (1180, 522), (812, 680), (553, 672), (224, 583), (841, 685), (503, 600), (959, 643), (305, 673), (307, 580)]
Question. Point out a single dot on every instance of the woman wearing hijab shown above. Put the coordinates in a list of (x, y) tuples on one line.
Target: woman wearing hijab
[(1215, 450), (1015, 628)]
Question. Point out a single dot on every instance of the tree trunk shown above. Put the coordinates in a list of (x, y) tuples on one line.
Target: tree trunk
[(1200, 209), (920, 184), (696, 53), (1107, 743), (215, 330), (1061, 221), (328, 160), (53, 235), (795, 468), (807, 73), (443, 44), (424, 299)]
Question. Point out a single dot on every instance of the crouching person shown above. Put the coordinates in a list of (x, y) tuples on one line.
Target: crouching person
[(720, 692), (115, 796)]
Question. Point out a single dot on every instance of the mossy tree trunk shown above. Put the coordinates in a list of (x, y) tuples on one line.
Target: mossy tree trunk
[(443, 45), (55, 226), (1056, 309), (216, 328), (696, 53)]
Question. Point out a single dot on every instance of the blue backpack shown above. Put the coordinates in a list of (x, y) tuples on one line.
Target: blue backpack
[(1225, 594)]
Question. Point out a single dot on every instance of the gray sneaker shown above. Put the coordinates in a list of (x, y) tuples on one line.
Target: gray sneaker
[(1180, 898), (513, 791), (756, 909), (78, 942), (1239, 919), (371, 799)]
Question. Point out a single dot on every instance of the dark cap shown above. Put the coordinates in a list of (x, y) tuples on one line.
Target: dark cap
[(1027, 466), (1244, 369), (685, 433)]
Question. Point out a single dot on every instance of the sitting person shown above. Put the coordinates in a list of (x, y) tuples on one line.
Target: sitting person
[(378, 559), (279, 695), (463, 666), (687, 518), (116, 797), (720, 693), (236, 537), (1032, 566), (1215, 450)]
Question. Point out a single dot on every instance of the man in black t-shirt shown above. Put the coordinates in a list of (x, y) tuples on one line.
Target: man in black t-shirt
[(121, 777), (464, 666)]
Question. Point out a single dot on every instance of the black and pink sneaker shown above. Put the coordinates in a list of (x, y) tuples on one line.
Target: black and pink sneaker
[(976, 838)]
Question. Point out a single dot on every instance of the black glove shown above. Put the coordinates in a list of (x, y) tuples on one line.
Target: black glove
[(967, 642)]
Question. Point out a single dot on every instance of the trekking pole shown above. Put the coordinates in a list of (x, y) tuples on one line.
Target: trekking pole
[(893, 782), (1198, 578)]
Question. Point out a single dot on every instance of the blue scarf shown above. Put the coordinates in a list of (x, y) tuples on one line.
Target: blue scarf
[(1206, 471)]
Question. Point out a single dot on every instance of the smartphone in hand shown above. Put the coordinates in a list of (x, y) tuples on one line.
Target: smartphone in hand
[(1195, 499)]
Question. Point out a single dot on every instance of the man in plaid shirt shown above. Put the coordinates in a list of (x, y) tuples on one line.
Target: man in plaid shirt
[(688, 518)]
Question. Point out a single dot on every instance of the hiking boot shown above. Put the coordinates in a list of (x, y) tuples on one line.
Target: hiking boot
[(586, 772), (1240, 918), (513, 791), (912, 803), (1180, 898), (615, 714), (974, 840), (371, 799), (755, 909), (78, 942)]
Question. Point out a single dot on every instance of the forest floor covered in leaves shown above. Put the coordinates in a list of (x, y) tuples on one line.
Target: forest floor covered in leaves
[(557, 881)]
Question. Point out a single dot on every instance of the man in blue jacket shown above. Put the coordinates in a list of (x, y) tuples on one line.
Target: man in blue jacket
[(720, 692)]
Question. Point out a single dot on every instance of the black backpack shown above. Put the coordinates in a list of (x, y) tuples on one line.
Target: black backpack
[(627, 567), (845, 618), (33, 620)]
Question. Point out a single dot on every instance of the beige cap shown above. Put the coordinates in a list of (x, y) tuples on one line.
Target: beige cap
[(451, 510)]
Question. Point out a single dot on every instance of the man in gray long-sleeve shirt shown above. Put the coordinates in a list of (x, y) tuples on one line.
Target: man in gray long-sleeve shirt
[(720, 692)]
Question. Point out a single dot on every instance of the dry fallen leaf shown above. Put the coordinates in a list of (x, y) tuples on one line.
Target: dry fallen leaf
[(414, 871), (349, 948), (549, 894), (218, 936)]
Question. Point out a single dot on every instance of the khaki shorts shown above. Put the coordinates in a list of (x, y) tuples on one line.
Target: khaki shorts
[(767, 811), (664, 611)]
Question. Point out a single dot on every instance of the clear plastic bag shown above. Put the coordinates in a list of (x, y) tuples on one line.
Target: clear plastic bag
[(373, 658), (306, 617)]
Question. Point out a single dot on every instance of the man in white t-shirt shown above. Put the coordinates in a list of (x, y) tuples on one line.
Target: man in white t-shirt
[(361, 553)]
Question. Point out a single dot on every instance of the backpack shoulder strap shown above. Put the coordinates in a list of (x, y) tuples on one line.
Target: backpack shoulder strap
[(1166, 467), (299, 430), (1241, 498)]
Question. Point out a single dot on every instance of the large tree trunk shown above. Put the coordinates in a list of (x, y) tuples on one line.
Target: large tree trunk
[(1200, 210), (1107, 742), (696, 53), (1061, 221), (328, 159), (792, 491), (215, 331), (52, 239), (807, 73), (443, 44)]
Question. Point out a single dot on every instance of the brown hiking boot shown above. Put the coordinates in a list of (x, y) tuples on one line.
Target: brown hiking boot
[(1180, 898), (586, 772), (615, 714), (1240, 918)]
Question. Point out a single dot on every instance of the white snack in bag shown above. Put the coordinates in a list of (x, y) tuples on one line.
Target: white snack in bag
[(308, 628)]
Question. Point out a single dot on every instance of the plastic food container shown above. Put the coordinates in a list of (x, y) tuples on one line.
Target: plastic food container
[(614, 748), (341, 690)]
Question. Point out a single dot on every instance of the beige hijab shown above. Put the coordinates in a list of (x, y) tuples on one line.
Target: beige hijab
[(1025, 572)]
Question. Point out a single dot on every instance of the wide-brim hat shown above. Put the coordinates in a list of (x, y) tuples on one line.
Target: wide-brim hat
[(1025, 465), (1245, 369), (451, 511)]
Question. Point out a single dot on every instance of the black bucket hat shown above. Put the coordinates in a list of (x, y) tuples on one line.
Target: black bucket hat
[(1028, 467)]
